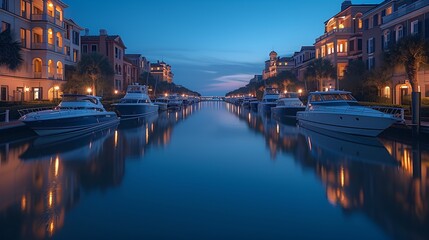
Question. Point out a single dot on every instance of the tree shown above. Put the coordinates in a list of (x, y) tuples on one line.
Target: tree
[(354, 77), (410, 52), (96, 67), (10, 51), (320, 69)]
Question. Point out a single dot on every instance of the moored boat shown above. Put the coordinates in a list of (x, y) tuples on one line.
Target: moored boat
[(135, 103), (268, 99), (162, 103), (340, 112), (288, 105), (75, 113)]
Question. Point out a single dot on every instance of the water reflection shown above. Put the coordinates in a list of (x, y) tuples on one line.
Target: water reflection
[(41, 179), (386, 179)]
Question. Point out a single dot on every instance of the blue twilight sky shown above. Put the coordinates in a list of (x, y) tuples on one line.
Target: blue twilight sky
[(213, 46)]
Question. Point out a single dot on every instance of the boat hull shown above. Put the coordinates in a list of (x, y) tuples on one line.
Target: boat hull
[(266, 107), (72, 124), (346, 123), (135, 110), (288, 112)]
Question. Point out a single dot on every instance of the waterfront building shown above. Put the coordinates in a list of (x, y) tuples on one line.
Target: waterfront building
[(110, 46), (130, 72), (161, 71), (275, 65), (302, 59), (140, 61), (405, 18), (49, 42), (342, 39)]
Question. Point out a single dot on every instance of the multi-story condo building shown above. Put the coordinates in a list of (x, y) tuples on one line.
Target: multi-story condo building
[(276, 65), (140, 61), (46, 39), (110, 46), (405, 18), (131, 72), (342, 40), (161, 71), (302, 59)]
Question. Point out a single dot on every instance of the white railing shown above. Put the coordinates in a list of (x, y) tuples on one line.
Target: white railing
[(22, 112), (398, 113), (405, 10)]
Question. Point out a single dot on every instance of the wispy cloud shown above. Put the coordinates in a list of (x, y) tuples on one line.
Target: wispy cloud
[(229, 82), (209, 72)]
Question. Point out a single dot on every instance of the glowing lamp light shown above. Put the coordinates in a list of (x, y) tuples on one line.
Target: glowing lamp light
[(299, 91), (89, 90), (26, 89), (285, 91), (116, 91), (166, 94), (56, 88), (50, 5)]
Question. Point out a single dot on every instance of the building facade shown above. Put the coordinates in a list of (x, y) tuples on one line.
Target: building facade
[(342, 40), (47, 39), (275, 65), (302, 59), (131, 72), (161, 72), (113, 48)]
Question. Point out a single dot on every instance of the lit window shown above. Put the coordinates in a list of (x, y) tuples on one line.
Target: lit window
[(415, 27)]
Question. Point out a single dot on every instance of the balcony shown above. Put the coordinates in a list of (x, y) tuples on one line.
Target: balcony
[(36, 45), (51, 47), (59, 49), (37, 75), (335, 31), (405, 10), (37, 17)]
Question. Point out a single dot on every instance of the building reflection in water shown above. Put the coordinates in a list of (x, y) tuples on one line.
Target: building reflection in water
[(41, 179), (387, 180)]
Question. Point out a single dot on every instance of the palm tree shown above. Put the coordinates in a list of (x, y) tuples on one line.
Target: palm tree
[(95, 66), (411, 52), (10, 51), (320, 69)]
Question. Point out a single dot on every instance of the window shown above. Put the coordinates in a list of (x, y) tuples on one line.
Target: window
[(75, 38), (50, 67), (415, 27), (116, 52), (67, 50), (59, 67), (4, 92), (375, 20), (352, 45), (371, 63), (5, 4), (389, 10), (93, 48), (75, 55), (23, 37), (59, 40), (366, 24), (399, 33), (330, 48), (360, 23), (37, 11), (37, 65), (68, 28), (386, 39), (386, 92), (359, 44), (50, 37), (5, 26), (371, 47), (37, 93), (84, 48), (23, 9), (37, 38)]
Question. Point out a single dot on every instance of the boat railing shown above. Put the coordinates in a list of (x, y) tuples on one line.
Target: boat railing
[(398, 113), (22, 112)]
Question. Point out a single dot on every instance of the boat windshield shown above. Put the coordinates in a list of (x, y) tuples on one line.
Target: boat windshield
[(332, 97), (289, 95), (80, 99), (128, 101), (271, 91)]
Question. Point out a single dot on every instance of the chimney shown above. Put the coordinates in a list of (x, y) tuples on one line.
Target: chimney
[(86, 31), (345, 5), (103, 32)]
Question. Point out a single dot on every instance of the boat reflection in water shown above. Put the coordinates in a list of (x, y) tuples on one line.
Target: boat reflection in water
[(42, 179), (386, 180)]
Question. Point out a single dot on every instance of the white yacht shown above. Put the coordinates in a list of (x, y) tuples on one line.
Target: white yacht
[(75, 113), (135, 103), (162, 103), (268, 99), (174, 101), (288, 105), (340, 112), (247, 100)]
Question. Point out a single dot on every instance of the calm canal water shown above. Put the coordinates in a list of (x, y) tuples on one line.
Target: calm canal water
[(213, 171)]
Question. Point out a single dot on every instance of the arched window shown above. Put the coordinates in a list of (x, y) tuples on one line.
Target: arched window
[(59, 40), (51, 67), (37, 67), (386, 39), (50, 9), (59, 67), (399, 32), (50, 36)]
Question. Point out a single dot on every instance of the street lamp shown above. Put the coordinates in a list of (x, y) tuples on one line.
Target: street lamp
[(56, 88), (116, 91), (89, 90), (299, 91)]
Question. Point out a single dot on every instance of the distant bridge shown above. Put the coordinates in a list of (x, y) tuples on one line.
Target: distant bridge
[(212, 98)]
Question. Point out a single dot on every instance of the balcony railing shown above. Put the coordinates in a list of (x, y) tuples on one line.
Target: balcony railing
[(37, 75), (36, 45), (51, 47), (341, 30), (37, 17), (405, 10), (59, 49)]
